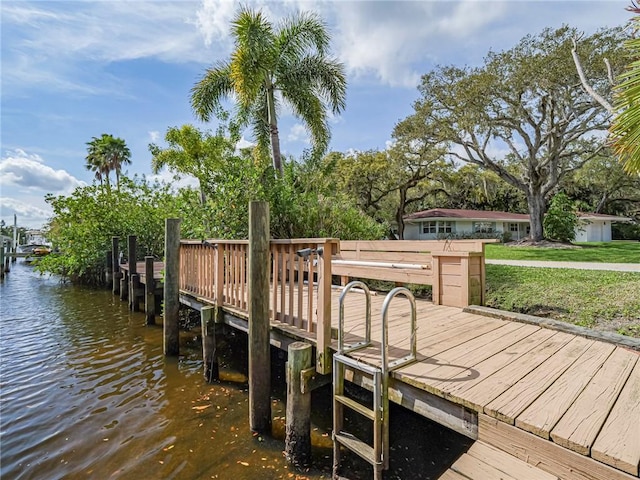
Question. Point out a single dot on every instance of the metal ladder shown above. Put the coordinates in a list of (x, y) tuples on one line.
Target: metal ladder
[(378, 453)]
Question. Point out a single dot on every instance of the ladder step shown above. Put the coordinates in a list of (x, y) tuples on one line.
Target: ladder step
[(357, 364), (358, 407), (357, 446)]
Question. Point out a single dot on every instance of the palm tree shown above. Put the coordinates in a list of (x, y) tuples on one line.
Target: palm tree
[(96, 160), (626, 125), (106, 154), (117, 154), (291, 59)]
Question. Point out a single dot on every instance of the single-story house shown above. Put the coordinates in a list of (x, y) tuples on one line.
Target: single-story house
[(441, 222)]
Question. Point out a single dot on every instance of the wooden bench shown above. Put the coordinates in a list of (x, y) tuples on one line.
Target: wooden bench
[(454, 269)]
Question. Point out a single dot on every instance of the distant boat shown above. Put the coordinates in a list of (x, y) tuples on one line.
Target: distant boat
[(41, 251)]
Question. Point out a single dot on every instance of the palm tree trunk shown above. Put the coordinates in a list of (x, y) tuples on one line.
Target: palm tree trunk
[(273, 129)]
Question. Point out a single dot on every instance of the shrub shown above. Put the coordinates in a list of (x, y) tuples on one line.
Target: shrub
[(561, 220)]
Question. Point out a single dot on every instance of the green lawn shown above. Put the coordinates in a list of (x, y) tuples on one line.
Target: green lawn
[(595, 299), (607, 252)]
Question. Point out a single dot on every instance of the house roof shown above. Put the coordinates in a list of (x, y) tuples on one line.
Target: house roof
[(459, 214), (483, 215)]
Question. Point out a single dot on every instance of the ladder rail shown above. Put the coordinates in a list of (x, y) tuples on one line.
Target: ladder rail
[(367, 333), (397, 364)]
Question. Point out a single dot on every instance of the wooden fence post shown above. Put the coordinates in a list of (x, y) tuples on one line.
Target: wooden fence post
[(149, 291), (171, 334), (209, 354), (323, 332), (116, 265), (298, 416), (259, 347)]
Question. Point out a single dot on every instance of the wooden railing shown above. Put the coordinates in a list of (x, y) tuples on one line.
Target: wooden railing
[(216, 271), (301, 270)]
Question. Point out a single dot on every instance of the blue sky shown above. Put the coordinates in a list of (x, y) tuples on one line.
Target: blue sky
[(74, 70)]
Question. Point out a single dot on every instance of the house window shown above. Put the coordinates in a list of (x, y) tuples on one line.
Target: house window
[(483, 227), (429, 227), (528, 230), (437, 226), (513, 227)]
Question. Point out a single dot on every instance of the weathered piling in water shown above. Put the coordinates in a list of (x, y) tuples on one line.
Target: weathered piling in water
[(115, 262), (134, 278), (298, 415), (209, 338), (2, 260), (6, 266), (171, 286), (259, 354), (108, 271), (149, 291)]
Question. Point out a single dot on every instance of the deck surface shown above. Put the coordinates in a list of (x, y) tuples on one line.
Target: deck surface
[(579, 393)]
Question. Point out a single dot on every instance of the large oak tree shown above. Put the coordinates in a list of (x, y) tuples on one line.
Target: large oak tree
[(524, 114)]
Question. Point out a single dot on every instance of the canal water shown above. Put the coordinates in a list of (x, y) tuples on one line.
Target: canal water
[(86, 393)]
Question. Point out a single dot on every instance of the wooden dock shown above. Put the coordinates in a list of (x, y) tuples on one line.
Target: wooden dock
[(562, 403)]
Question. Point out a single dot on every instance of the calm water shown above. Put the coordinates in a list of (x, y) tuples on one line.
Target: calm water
[(85, 392)]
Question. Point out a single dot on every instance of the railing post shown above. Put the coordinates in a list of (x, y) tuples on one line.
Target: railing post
[(134, 278), (116, 265), (171, 334), (323, 332), (259, 346), (435, 285), (149, 291)]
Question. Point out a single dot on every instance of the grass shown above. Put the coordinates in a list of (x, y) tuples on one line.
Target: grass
[(606, 252), (596, 299)]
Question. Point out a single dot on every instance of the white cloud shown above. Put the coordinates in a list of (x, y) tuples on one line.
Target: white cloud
[(29, 215), (177, 181), (244, 143), (154, 135), (298, 133), (29, 172)]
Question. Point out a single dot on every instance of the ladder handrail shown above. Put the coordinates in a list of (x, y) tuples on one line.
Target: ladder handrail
[(385, 334), (367, 335)]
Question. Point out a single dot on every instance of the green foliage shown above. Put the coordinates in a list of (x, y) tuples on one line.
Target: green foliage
[(526, 99), (107, 154), (626, 125), (291, 58), (84, 222), (561, 219)]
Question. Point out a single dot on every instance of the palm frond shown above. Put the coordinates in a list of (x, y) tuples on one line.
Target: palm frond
[(207, 94), (302, 33)]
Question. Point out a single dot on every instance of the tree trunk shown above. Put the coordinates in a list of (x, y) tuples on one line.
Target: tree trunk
[(400, 213), (273, 130), (536, 215)]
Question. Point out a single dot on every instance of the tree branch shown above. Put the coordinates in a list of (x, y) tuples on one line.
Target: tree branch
[(592, 93)]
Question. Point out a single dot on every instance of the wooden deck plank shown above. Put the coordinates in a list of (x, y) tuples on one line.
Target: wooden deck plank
[(618, 443), (477, 373), (508, 405), (451, 475), (544, 454), (542, 415), (476, 396), (476, 469), (508, 463), (476, 350), (579, 426)]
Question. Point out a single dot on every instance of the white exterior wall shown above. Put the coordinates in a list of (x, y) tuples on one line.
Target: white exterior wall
[(412, 231), (594, 231)]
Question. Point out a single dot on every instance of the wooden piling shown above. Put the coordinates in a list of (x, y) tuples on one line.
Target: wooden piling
[(149, 291), (134, 292), (298, 415), (108, 270), (209, 353), (259, 354), (2, 260), (115, 262), (171, 286)]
